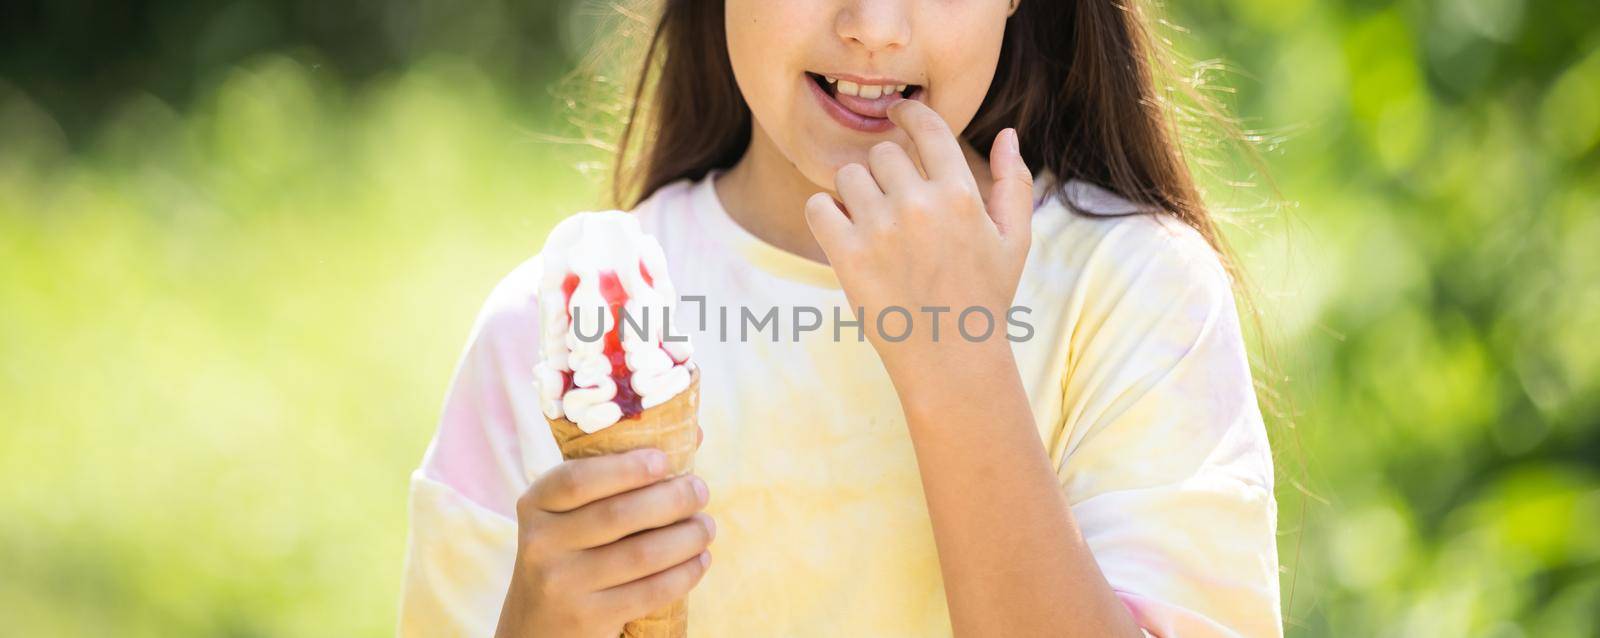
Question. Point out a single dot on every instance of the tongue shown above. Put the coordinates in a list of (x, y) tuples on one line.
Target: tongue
[(869, 108)]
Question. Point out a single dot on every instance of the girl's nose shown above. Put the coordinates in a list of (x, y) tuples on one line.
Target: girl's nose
[(875, 24)]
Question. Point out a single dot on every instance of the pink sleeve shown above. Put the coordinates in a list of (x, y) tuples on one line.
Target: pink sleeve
[(487, 446), (490, 443)]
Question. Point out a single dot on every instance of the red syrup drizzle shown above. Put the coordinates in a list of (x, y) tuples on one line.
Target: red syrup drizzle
[(650, 281), (616, 297), (567, 286), (611, 290)]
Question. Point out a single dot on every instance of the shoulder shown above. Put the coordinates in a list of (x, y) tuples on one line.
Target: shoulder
[(508, 320), (1114, 248)]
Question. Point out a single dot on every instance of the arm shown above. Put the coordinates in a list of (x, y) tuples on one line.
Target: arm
[(1162, 453), (1158, 516), (1013, 560)]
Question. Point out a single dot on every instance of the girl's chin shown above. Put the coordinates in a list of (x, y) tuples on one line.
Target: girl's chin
[(827, 157)]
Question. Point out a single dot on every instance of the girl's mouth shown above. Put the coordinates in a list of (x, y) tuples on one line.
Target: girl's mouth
[(862, 107)]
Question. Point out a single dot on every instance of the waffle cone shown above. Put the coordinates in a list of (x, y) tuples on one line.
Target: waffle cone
[(672, 427)]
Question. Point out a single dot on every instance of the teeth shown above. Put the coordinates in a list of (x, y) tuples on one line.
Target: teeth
[(865, 91)]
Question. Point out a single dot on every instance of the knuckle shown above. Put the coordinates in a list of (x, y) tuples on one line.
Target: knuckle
[(526, 504), (915, 204), (555, 485), (569, 480)]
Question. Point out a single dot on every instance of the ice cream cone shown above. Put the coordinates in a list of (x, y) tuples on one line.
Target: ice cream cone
[(671, 621), (672, 427)]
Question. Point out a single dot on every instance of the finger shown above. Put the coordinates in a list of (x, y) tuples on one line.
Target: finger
[(827, 221), (699, 436), (859, 191), (892, 168), (609, 519), (636, 599), (578, 482), (938, 148), (1010, 200), (647, 552)]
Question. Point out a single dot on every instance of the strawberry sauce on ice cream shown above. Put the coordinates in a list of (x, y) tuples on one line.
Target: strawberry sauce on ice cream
[(604, 298)]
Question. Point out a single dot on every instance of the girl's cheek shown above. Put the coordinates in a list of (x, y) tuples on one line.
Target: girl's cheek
[(962, 64)]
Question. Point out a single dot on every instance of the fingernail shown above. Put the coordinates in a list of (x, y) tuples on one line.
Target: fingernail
[(705, 559), (711, 527), (1011, 142), (700, 490)]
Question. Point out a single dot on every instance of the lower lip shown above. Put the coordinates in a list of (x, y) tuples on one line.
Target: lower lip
[(846, 117)]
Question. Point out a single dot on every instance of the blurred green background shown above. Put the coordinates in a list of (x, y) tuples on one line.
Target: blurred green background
[(241, 245)]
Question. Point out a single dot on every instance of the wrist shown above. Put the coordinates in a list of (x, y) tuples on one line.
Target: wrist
[(929, 377)]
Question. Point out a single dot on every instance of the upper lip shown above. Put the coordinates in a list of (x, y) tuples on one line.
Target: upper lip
[(862, 79)]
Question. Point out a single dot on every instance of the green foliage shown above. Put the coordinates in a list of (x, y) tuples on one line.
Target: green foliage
[(1430, 294), (227, 334), (229, 317)]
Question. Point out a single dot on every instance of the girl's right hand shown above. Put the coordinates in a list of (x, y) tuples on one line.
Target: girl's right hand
[(603, 541)]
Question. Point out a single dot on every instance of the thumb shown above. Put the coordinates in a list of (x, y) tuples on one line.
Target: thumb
[(1011, 197)]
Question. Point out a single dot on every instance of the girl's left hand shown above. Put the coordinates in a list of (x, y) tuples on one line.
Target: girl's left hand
[(926, 244)]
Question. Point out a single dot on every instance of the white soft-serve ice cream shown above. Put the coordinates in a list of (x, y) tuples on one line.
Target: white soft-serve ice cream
[(599, 269)]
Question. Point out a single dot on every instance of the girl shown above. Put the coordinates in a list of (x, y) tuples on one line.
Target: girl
[(1094, 464)]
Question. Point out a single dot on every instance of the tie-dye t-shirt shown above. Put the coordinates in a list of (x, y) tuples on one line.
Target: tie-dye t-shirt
[(1135, 368)]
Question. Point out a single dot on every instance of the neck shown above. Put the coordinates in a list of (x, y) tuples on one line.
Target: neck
[(766, 194)]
